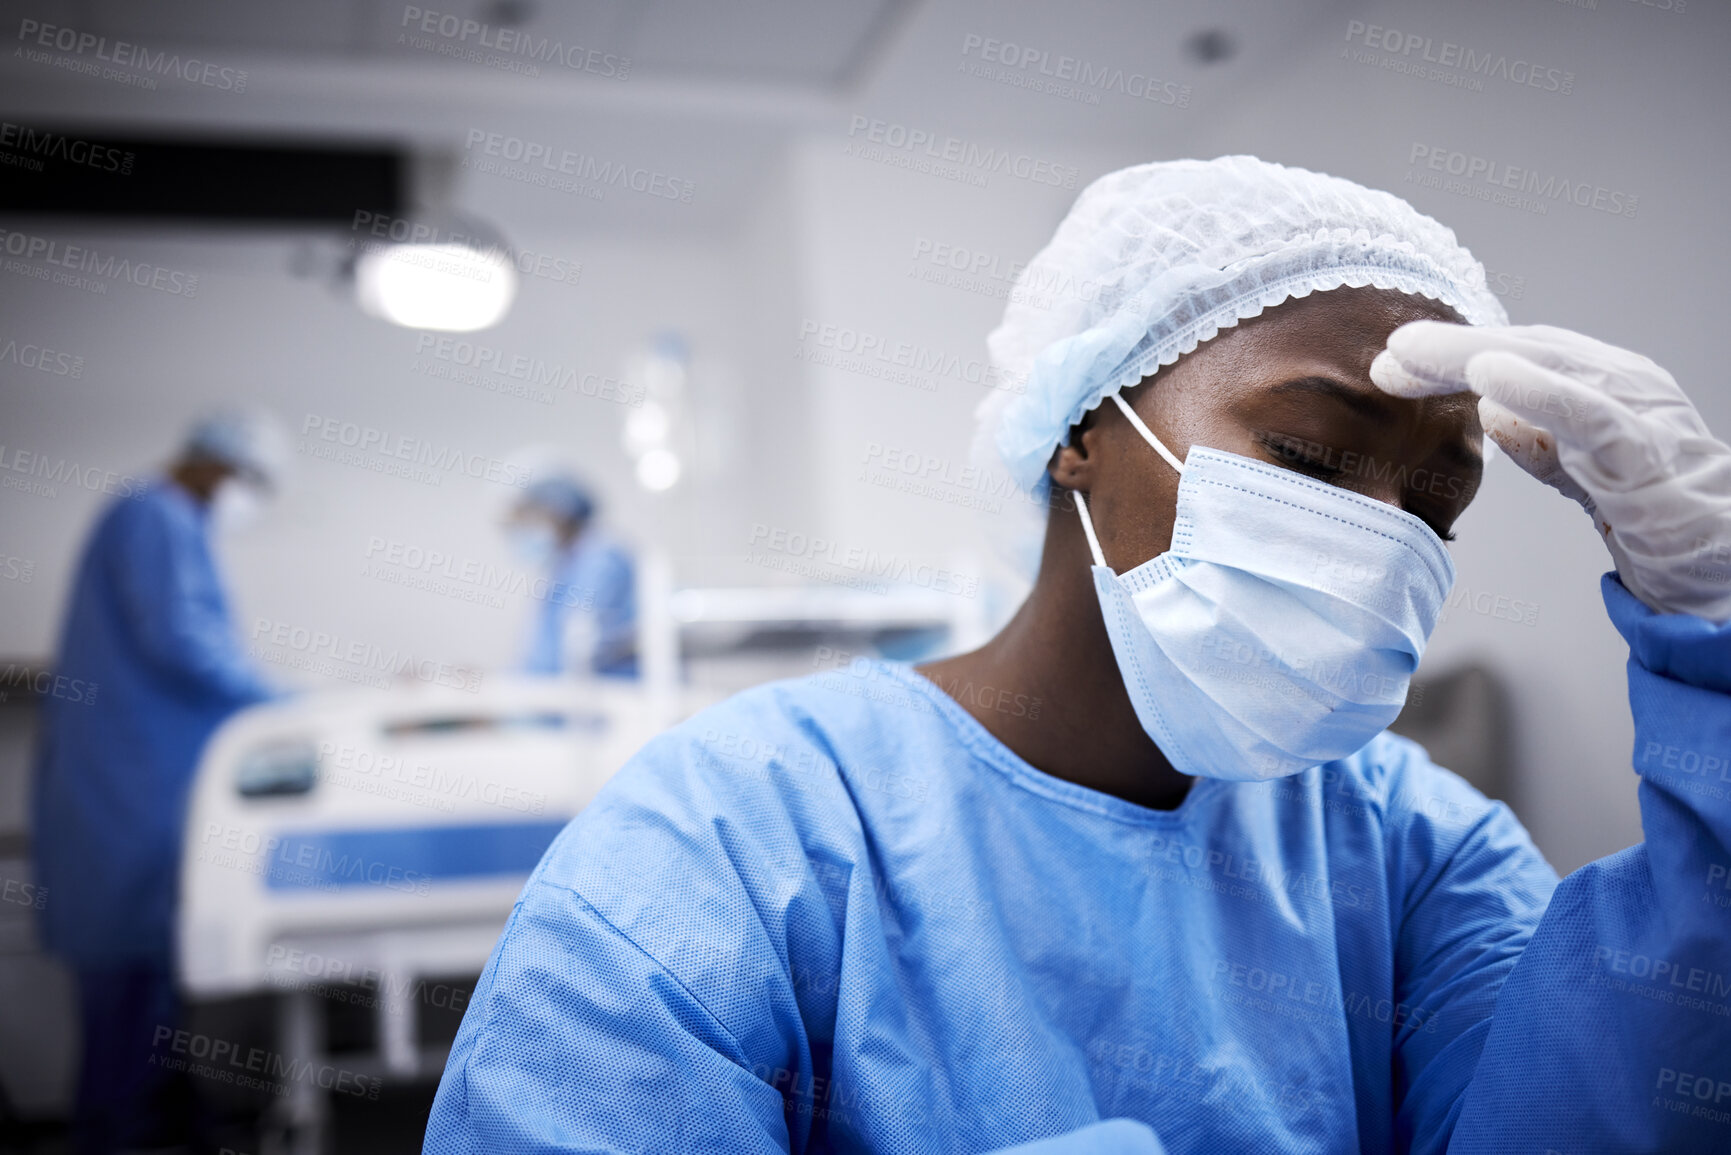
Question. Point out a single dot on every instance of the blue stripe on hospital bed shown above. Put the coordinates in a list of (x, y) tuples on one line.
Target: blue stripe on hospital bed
[(406, 859)]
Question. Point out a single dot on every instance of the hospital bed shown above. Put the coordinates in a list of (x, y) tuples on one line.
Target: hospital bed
[(366, 813), (368, 841)]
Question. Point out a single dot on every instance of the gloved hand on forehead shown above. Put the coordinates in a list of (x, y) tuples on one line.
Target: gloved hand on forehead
[(1603, 426)]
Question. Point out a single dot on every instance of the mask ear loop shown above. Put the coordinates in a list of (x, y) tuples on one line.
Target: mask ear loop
[(1088, 528), (1159, 447), (1148, 434)]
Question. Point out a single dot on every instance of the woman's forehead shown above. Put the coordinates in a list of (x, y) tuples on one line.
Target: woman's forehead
[(1344, 328), (1353, 314)]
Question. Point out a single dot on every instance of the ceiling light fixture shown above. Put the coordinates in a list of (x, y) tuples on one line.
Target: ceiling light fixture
[(452, 276)]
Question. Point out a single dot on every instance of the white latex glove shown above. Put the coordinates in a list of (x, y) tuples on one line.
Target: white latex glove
[(1603, 426), (1110, 1137)]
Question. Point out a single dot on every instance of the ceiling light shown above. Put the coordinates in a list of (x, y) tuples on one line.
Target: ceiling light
[(658, 470), (446, 274), (448, 287)]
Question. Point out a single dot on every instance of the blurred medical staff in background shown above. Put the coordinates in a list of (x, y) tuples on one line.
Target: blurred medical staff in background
[(148, 633), (587, 620)]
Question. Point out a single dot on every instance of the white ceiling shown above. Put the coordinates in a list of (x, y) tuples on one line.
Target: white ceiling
[(815, 45), (715, 87), (813, 42)]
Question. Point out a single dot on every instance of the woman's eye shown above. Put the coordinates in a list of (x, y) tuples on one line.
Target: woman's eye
[(1316, 466), (1292, 455), (1298, 454)]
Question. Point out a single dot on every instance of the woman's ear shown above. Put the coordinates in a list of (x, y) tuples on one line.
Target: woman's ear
[(1072, 465)]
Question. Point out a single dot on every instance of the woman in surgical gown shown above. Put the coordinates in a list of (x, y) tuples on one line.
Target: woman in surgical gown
[(1080, 890)]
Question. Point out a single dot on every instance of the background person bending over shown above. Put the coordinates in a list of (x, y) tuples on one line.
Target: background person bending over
[(1204, 894), (587, 618), (148, 627)]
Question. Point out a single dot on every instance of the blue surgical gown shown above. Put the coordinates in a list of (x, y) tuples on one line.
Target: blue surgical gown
[(592, 583), (836, 914), (147, 629)]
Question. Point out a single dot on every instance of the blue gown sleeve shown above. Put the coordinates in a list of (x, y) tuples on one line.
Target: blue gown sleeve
[(640, 998), (1468, 889), (1612, 1031), (586, 1043), (175, 609)]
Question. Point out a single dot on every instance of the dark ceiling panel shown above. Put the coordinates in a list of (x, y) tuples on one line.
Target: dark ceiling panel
[(73, 173)]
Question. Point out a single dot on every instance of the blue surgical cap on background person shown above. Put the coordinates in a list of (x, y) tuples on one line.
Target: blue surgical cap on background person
[(562, 496), (249, 440)]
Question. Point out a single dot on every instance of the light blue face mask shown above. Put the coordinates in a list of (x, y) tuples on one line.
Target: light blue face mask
[(535, 543), (1280, 629)]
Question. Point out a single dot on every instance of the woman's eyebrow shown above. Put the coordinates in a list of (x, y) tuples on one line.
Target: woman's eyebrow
[(1371, 406)]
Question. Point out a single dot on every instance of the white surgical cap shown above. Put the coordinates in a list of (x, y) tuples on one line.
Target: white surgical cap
[(1155, 259), (249, 440)]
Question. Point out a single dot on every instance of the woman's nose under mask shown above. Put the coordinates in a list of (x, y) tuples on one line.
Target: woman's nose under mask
[(1283, 625)]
